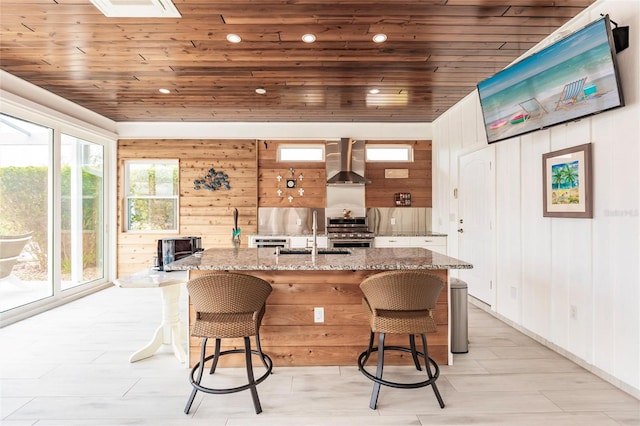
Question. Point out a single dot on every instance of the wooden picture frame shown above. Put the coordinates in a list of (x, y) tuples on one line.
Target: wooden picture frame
[(567, 180)]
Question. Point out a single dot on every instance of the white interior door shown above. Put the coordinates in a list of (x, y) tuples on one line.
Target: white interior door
[(476, 222)]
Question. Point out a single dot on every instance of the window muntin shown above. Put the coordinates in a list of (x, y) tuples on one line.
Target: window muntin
[(301, 152), (151, 199), (390, 153)]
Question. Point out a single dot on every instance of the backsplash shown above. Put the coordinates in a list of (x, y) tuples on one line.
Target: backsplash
[(288, 221), (382, 221), (400, 220)]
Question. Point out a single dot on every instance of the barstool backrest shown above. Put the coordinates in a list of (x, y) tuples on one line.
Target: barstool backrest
[(228, 293), (402, 290)]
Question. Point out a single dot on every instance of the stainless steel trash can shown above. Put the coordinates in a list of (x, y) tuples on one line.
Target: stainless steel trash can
[(459, 316)]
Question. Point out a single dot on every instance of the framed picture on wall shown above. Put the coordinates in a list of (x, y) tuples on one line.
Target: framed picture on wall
[(567, 182)]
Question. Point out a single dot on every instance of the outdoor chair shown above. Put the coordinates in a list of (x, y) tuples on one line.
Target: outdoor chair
[(11, 247)]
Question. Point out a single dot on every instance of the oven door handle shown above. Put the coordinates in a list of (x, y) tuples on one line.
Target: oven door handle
[(352, 243)]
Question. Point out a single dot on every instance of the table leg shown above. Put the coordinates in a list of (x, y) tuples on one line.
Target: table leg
[(169, 331)]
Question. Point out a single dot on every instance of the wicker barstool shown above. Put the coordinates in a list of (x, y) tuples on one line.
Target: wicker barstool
[(228, 305), (401, 302)]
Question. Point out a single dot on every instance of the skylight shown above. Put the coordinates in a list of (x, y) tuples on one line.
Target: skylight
[(137, 8)]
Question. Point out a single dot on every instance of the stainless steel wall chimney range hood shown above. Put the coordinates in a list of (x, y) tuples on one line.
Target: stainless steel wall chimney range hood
[(342, 160)]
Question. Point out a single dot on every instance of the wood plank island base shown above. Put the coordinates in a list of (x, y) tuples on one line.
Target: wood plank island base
[(301, 283)]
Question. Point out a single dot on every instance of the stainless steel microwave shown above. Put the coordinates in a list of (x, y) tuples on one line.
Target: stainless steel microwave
[(171, 249)]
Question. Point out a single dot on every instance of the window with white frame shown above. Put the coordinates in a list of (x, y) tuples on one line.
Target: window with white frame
[(52, 211), (151, 195), (389, 153), (310, 152)]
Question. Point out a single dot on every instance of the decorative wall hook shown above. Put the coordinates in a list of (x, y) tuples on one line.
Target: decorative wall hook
[(290, 198), (279, 178), (291, 171), (300, 177), (279, 192), (301, 191), (212, 181)]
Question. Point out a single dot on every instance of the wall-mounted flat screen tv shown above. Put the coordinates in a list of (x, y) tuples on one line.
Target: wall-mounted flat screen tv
[(572, 78)]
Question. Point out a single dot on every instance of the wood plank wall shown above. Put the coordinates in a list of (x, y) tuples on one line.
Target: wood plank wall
[(252, 168), (291, 337), (202, 213), (381, 191), (313, 181)]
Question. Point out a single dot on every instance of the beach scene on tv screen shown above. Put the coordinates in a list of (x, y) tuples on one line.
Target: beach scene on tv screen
[(570, 79)]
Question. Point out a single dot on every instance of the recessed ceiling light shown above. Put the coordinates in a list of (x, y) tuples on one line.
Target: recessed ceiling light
[(379, 38), (374, 91), (233, 38), (309, 38), (165, 91), (261, 90)]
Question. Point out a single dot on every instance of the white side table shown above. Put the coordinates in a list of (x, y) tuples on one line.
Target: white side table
[(170, 330)]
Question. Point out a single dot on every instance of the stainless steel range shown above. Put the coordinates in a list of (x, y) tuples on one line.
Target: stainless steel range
[(349, 232)]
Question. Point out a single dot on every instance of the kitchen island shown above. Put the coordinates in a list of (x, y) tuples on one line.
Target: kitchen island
[(331, 281)]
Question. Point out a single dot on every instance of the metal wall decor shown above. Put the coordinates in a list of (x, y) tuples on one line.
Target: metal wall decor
[(290, 184), (213, 181)]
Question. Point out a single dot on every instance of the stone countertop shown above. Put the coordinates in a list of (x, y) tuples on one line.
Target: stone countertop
[(412, 234), (397, 234), (280, 234), (252, 259)]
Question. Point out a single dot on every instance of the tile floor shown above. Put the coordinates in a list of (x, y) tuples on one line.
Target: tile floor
[(69, 367)]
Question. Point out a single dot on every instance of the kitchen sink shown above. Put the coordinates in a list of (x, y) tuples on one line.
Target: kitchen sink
[(320, 251)]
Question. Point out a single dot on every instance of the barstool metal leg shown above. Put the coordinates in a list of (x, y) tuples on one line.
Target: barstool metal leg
[(376, 385), (414, 354), (216, 356), (203, 348), (366, 358), (259, 348), (252, 381), (427, 361)]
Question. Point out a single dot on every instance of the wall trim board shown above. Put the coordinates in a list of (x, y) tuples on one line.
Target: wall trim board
[(280, 131)]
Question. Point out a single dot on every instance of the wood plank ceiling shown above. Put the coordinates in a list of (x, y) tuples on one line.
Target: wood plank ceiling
[(435, 54)]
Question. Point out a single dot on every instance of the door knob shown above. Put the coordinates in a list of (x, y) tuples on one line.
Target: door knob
[(461, 230)]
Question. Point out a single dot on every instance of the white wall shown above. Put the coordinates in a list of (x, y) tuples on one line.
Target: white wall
[(553, 263)]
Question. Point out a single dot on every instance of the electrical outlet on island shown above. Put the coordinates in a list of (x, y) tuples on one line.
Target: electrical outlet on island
[(318, 314)]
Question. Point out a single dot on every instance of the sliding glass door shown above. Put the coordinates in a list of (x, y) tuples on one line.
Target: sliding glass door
[(82, 207), (25, 231), (52, 213)]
